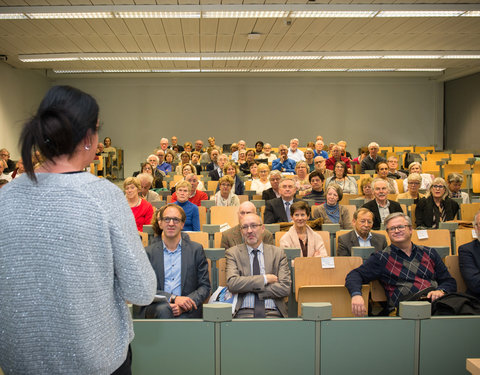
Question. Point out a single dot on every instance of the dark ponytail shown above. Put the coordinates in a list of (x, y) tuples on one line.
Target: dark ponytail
[(63, 119)]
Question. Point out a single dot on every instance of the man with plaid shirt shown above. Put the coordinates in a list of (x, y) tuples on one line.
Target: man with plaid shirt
[(403, 268)]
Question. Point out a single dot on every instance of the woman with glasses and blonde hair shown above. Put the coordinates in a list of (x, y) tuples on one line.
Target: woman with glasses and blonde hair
[(437, 207), (262, 183), (414, 181), (427, 178)]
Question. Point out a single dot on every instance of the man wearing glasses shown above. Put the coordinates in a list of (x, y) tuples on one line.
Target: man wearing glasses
[(181, 268), (258, 272), (233, 236), (403, 269)]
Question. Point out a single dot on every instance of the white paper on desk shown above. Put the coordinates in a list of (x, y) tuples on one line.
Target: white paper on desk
[(474, 233), (328, 262), (422, 234), (224, 227)]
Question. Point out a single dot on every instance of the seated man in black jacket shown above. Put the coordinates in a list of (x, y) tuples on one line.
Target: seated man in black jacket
[(469, 260), (381, 207)]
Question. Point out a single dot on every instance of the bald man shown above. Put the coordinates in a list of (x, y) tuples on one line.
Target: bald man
[(233, 236)]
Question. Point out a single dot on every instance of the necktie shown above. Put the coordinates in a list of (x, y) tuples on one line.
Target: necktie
[(287, 210), (259, 311)]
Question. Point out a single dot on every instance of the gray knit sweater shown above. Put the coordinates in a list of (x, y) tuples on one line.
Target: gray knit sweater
[(70, 258)]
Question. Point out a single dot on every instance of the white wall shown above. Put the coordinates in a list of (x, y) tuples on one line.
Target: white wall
[(136, 113), (20, 94)]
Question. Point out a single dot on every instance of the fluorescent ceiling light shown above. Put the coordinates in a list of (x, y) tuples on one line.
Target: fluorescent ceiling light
[(292, 57), (225, 70), (45, 59), (461, 57), (65, 15), (76, 71), (411, 56), (471, 13), (157, 14), (371, 70), (229, 58), (12, 16), (332, 14), (127, 71), (414, 13), (109, 58), (322, 70), (170, 58), (420, 70), (353, 57), (273, 70), (245, 14)]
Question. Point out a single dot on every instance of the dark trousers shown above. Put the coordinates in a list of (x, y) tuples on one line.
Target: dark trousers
[(126, 367)]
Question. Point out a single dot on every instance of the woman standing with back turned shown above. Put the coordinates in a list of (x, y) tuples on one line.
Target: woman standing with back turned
[(65, 282)]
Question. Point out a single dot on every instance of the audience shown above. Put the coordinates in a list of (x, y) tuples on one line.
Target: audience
[(415, 268), (382, 171), (427, 179), (413, 182), (361, 235), (224, 196), (332, 212), (146, 181), (369, 163), (192, 220), (337, 156), (455, 181), (300, 235), (316, 181), (293, 152), (262, 183), (217, 170), (283, 163), (272, 192), (261, 289), (241, 145), (381, 207), (347, 183), (393, 171), (181, 268), (302, 183), (277, 210), (196, 195), (231, 169), (3, 167), (233, 236), (141, 209), (437, 207), (366, 189), (267, 153), (9, 164)]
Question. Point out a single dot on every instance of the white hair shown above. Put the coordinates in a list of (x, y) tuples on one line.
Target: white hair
[(373, 144)]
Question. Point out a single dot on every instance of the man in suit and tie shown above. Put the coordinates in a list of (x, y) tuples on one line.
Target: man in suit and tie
[(381, 207), (272, 193), (361, 235), (278, 210), (258, 272), (180, 266), (233, 236), (217, 171)]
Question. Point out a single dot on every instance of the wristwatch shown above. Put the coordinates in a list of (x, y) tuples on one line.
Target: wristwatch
[(172, 298)]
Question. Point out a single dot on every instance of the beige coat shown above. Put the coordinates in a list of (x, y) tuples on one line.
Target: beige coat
[(316, 247)]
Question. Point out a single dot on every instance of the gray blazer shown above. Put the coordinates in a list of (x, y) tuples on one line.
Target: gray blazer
[(195, 279), (348, 240), (233, 237), (240, 280)]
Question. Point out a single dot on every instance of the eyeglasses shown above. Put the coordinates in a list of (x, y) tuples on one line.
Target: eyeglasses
[(365, 221), (400, 228), (414, 183), (438, 186), (251, 226), (175, 220)]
